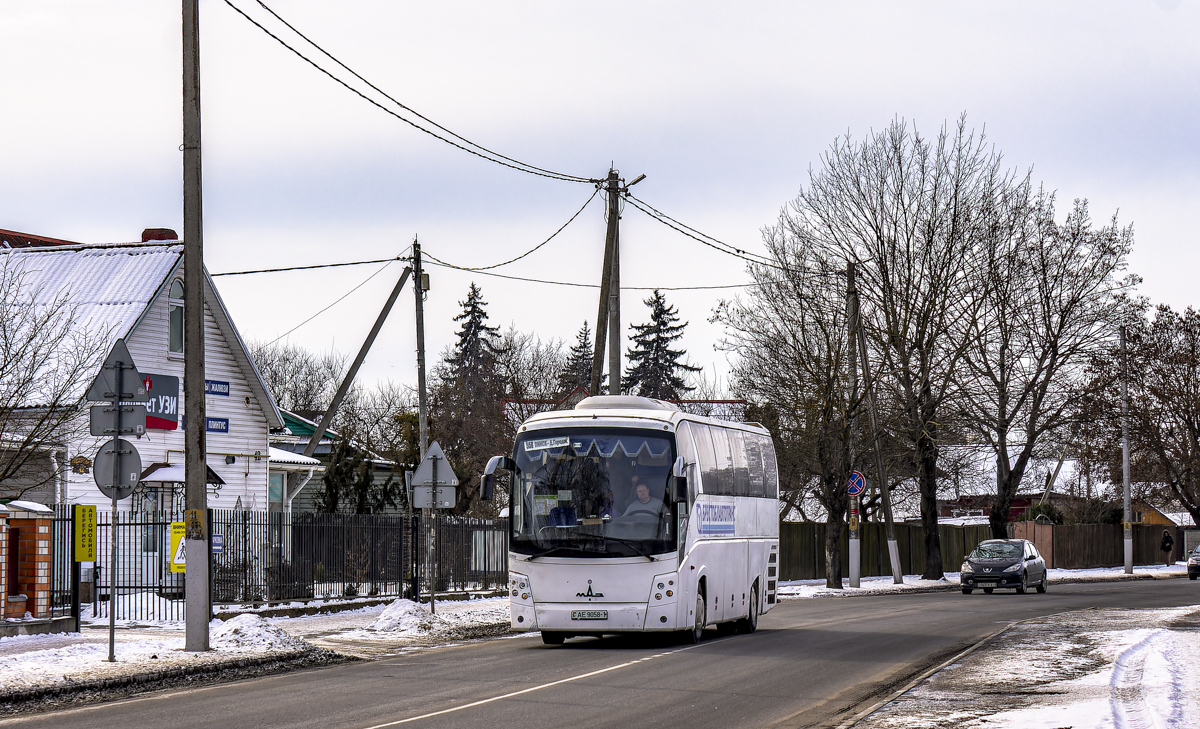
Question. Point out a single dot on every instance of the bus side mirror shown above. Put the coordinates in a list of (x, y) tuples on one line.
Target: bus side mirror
[(487, 482), (679, 484)]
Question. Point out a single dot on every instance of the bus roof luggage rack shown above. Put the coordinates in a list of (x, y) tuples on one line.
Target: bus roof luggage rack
[(623, 402)]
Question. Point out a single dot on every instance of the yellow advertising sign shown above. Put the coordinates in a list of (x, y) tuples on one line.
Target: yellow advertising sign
[(178, 558), (83, 526)]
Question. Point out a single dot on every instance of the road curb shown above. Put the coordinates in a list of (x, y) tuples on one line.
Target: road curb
[(854, 720)]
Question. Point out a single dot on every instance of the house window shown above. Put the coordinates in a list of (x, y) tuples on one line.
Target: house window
[(175, 317)]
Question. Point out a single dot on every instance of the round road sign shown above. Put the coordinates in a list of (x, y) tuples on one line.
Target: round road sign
[(857, 485)]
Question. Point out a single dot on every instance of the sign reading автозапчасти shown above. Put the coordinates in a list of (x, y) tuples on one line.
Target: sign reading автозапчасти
[(717, 518)]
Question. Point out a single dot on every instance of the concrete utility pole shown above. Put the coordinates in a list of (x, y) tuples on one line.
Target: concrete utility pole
[(851, 408), (419, 288), (608, 292), (1128, 518), (196, 581), (885, 490)]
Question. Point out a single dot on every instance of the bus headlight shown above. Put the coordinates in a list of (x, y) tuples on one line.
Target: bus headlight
[(520, 588), (657, 585)]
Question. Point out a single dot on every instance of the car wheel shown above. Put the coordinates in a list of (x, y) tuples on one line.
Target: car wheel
[(988, 590), (1021, 587), (966, 591), (750, 623), (1041, 588), (550, 637)]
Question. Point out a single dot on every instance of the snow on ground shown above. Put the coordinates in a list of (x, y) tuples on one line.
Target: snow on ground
[(63, 658), (1091, 668), (794, 589)]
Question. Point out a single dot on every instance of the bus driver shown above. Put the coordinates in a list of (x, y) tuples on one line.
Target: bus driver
[(642, 502)]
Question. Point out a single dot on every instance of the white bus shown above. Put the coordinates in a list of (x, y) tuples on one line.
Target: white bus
[(628, 515)]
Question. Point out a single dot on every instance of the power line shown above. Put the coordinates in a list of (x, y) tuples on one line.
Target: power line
[(654, 212), (327, 308), (680, 228), (306, 268), (526, 253), (586, 285), (483, 154)]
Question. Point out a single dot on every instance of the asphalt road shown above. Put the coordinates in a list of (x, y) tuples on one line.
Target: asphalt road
[(811, 663)]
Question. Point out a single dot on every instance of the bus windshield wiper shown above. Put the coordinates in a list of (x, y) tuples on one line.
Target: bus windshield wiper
[(635, 546), (561, 547)]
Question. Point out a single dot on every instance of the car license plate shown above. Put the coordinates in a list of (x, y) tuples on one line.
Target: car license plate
[(589, 615)]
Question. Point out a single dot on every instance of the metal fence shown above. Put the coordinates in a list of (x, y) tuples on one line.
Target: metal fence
[(268, 558)]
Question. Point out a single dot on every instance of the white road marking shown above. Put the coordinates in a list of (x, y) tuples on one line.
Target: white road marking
[(531, 689)]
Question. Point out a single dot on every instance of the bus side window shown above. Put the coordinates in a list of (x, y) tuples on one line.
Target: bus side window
[(720, 439), (708, 461), (741, 471), (755, 464), (687, 449), (770, 467)]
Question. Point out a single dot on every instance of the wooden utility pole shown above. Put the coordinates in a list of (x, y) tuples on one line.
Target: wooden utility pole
[(608, 292), (419, 290), (195, 461)]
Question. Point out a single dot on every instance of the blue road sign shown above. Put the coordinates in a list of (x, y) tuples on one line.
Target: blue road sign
[(857, 485), (218, 543)]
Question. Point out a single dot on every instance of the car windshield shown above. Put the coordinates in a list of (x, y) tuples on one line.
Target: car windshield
[(997, 550), (592, 493)]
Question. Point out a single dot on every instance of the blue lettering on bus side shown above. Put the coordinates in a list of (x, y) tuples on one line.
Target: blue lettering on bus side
[(717, 519)]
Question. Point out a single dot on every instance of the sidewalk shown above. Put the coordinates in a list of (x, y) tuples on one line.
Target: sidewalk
[(1084, 669)]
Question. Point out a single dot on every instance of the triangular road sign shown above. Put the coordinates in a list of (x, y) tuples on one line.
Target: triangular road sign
[(104, 387), (423, 476), (180, 556)]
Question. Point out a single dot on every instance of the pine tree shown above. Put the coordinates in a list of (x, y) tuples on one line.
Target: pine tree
[(467, 398), (349, 483), (654, 368), (577, 372)]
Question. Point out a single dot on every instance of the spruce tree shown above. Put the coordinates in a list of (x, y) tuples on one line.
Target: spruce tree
[(577, 372), (655, 370)]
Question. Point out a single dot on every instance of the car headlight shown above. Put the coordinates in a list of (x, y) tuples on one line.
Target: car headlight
[(966, 568), (1013, 568)]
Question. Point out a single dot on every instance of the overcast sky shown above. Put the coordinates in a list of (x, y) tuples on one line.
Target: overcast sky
[(724, 106)]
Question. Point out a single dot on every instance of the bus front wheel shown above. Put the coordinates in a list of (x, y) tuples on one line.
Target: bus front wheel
[(697, 631)]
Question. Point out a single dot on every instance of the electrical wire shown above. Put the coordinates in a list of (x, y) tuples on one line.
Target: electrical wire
[(526, 253), (435, 262), (663, 217), (306, 268), (327, 308), (484, 154), (680, 228)]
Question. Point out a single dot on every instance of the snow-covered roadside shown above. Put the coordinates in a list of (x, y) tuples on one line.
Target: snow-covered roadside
[(56, 660), (800, 589), (1092, 668)]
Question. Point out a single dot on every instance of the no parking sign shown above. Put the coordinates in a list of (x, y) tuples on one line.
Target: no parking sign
[(858, 483)]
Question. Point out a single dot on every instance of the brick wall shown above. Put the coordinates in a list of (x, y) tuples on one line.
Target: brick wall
[(3, 566), (33, 566)]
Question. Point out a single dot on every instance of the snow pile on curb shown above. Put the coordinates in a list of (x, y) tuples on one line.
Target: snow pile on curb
[(404, 616), (249, 632)]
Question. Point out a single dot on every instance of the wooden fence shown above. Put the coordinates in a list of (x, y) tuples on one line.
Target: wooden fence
[(1079, 546)]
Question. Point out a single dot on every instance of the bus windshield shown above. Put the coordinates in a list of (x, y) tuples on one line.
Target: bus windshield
[(592, 493)]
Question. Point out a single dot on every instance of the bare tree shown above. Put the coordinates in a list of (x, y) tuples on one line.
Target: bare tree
[(48, 355), (913, 213), (789, 337), (1164, 411), (300, 380), (1050, 299), (530, 369)]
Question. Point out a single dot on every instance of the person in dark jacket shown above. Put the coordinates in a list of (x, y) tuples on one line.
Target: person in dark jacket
[(1168, 543)]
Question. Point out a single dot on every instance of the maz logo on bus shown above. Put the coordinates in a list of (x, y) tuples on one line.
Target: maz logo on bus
[(717, 518)]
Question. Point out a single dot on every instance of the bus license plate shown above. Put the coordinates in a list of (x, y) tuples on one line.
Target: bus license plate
[(589, 615)]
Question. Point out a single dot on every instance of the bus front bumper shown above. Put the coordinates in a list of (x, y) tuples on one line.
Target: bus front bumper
[(584, 618)]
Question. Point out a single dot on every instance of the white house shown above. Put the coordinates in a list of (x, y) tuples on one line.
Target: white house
[(135, 291)]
